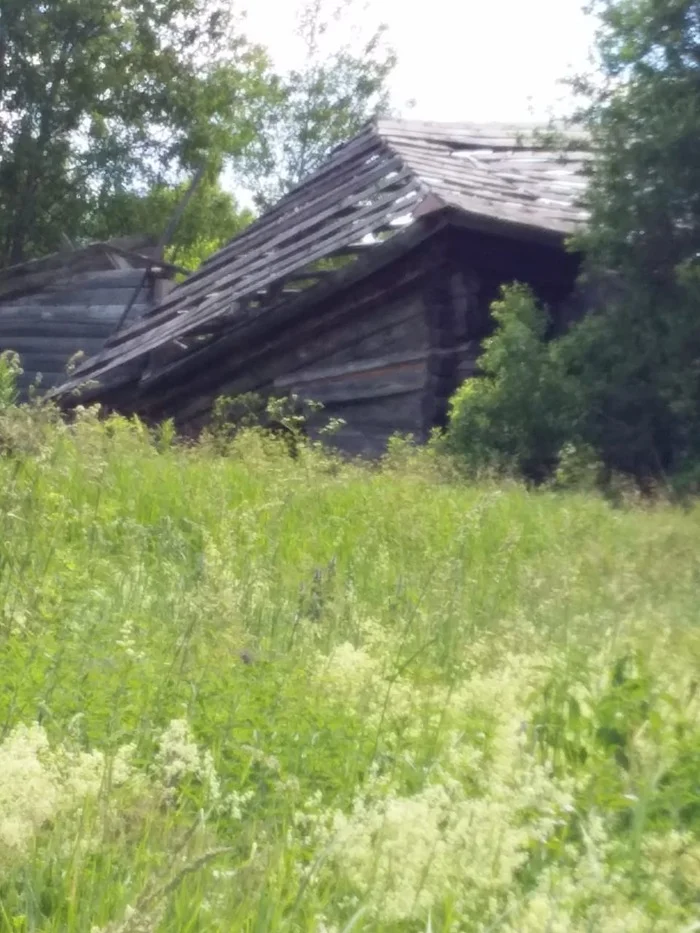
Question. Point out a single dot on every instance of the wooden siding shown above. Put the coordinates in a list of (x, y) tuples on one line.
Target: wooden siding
[(49, 326), (371, 374)]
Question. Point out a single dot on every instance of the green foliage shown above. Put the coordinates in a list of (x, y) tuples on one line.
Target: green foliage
[(9, 371), (284, 415), (642, 114), (638, 359), (99, 97), (517, 415), (242, 690), (209, 221), (341, 85), (107, 109)]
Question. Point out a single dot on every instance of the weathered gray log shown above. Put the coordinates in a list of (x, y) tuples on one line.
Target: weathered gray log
[(58, 347)]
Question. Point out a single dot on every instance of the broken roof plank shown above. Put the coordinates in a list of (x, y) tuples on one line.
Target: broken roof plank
[(178, 327)]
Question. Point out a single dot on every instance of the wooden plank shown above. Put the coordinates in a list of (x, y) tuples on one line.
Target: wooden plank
[(471, 178), (255, 368), (337, 173), (395, 326), (386, 383), (505, 204), (304, 274), (38, 273), (380, 416), (306, 200), (492, 135), (18, 319), (516, 217), (322, 216), (356, 443), (91, 296), (255, 364), (109, 278), (477, 176), (39, 343), (366, 366)]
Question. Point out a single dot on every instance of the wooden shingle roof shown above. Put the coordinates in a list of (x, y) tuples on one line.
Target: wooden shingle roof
[(505, 179), (500, 173)]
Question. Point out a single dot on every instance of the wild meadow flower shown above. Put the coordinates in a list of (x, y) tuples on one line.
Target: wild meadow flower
[(179, 757), (485, 801), (39, 783)]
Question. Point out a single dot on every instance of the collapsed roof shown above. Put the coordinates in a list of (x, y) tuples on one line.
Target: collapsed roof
[(72, 301), (512, 180), (134, 252)]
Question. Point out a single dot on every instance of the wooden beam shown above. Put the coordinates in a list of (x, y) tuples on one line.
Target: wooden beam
[(349, 369)]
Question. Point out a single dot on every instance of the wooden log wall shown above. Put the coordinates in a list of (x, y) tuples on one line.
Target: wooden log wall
[(468, 272), (360, 352), (450, 296), (371, 376), (385, 353), (78, 313)]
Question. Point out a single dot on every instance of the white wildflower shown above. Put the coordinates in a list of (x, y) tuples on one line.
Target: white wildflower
[(271, 762), (405, 854), (37, 783), (233, 804), (179, 757)]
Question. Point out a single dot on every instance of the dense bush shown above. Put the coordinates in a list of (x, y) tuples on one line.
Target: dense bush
[(517, 415), (621, 386)]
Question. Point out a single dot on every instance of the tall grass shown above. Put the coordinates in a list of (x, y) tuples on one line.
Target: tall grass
[(244, 691)]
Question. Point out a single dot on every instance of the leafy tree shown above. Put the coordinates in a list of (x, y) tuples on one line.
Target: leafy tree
[(341, 85), (211, 218), (97, 96), (629, 372), (642, 112), (638, 359)]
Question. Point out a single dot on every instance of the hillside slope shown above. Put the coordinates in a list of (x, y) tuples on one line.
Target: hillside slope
[(250, 692)]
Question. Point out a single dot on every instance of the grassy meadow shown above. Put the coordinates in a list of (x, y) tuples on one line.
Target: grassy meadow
[(242, 691)]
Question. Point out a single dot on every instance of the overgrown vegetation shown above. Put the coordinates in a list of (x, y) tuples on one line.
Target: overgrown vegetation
[(246, 691), (623, 383), (247, 685)]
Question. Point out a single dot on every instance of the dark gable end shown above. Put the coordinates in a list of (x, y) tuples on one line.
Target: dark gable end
[(366, 288)]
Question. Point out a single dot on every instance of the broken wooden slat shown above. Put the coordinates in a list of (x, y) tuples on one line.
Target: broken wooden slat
[(158, 334)]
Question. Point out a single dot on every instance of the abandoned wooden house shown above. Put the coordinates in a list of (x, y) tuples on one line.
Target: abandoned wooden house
[(71, 302), (367, 288)]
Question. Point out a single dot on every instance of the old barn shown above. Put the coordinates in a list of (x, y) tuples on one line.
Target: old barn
[(70, 302), (367, 288)]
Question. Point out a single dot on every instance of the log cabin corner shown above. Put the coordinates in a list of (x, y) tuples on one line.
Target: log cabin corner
[(367, 288)]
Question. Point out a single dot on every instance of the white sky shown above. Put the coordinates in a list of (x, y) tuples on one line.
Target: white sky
[(477, 60)]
